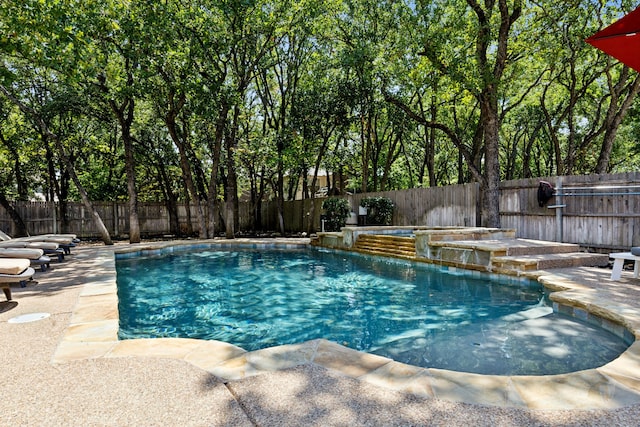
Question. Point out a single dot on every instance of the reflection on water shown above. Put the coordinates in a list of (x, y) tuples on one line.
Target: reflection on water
[(413, 313)]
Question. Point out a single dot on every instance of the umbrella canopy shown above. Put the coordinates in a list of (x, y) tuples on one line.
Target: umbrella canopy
[(621, 40)]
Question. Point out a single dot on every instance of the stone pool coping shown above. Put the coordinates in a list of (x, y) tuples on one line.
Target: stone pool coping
[(93, 327)]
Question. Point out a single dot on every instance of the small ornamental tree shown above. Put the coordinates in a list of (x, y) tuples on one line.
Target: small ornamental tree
[(336, 212), (379, 210)]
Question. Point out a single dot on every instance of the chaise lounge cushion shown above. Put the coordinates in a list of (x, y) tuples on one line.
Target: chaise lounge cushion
[(66, 239), (29, 253), (13, 265), (47, 246)]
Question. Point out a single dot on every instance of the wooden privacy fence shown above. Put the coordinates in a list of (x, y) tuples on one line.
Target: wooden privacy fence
[(453, 205), (42, 218), (601, 212)]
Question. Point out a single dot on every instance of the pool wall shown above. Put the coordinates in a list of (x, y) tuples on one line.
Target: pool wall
[(432, 244), (596, 320), (162, 248), (474, 248)]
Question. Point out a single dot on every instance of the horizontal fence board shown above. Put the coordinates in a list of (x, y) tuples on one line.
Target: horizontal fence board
[(601, 212), (436, 206)]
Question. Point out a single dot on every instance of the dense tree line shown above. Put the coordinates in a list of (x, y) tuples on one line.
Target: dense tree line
[(208, 101)]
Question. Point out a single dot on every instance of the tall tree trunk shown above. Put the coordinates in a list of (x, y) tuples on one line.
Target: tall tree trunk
[(125, 118), (232, 195), (186, 171), (314, 182), (366, 152), (104, 233), (280, 187), (171, 201), (488, 98), (491, 185), (58, 187), (106, 238), (20, 177), (232, 179), (14, 215), (187, 203), (430, 149), (615, 115), (124, 113), (262, 187), (216, 152)]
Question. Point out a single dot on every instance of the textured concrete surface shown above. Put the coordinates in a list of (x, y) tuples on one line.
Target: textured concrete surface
[(68, 369)]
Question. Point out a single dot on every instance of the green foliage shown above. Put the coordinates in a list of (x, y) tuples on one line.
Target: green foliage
[(379, 210), (336, 212), (306, 85)]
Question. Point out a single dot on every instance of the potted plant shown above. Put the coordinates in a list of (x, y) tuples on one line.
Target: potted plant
[(336, 212), (379, 210)]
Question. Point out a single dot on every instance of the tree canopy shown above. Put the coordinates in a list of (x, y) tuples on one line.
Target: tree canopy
[(211, 102)]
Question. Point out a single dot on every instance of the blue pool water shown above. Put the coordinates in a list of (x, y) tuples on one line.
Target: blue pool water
[(413, 313)]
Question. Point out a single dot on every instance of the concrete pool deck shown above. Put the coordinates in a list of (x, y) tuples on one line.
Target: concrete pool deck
[(70, 369)]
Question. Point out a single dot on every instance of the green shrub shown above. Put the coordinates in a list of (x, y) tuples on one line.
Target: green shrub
[(336, 212), (379, 210)]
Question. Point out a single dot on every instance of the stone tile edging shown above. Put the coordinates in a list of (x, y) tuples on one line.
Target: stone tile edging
[(93, 329)]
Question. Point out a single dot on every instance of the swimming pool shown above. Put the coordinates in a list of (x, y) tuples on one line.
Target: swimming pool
[(414, 313)]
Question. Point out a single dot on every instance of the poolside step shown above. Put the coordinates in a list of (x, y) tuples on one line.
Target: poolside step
[(385, 240), (386, 245), (511, 247), (523, 263), (513, 255), (506, 255)]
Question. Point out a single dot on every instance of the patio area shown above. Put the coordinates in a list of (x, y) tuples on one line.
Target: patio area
[(68, 368)]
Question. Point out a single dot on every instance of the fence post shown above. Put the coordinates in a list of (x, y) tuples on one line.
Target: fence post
[(558, 206)]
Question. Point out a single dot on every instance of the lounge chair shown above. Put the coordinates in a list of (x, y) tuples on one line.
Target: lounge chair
[(65, 241), (35, 256), (56, 236), (50, 249), (14, 270)]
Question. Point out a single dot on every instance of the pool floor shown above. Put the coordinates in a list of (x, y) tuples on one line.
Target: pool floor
[(409, 312)]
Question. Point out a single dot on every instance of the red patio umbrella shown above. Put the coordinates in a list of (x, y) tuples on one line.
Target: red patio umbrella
[(621, 39)]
